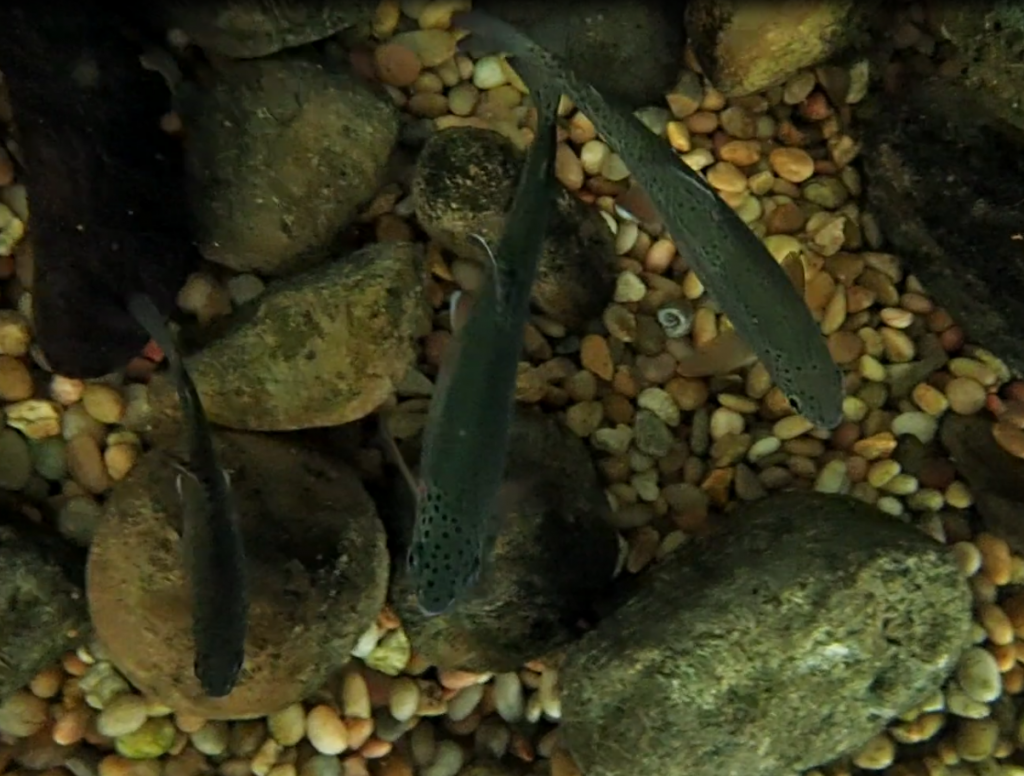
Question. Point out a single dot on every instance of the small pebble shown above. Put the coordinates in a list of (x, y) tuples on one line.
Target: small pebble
[(325, 730)]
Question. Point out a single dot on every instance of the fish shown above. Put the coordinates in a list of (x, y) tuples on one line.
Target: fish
[(212, 545), (733, 264), (728, 352), (461, 489)]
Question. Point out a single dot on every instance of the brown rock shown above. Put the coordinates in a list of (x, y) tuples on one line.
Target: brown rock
[(553, 557), (317, 563), (744, 47), (464, 184), (322, 348)]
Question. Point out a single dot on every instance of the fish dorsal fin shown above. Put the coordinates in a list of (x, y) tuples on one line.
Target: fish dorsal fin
[(794, 268)]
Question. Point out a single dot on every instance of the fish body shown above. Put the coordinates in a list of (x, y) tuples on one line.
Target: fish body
[(731, 261), (466, 440), (211, 541)]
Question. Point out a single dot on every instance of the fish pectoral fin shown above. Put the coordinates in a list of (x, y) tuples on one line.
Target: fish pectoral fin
[(395, 454), (636, 202), (459, 305), (725, 353), (794, 268), (495, 275)]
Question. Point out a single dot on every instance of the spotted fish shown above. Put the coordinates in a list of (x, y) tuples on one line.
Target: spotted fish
[(733, 264), (211, 541), (462, 468)]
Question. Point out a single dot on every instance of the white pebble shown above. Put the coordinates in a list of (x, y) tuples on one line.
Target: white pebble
[(626, 237), (325, 730), (832, 478), (367, 642), (978, 675), (762, 448), (488, 73), (508, 696), (534, 709), (447, 760), (725, 421), (245, 288), (123, 715), (212, 739), (288, 726), (404, 699), (917, 424), (550, 701), (629, 287), (661, 403), (890, 505), (464, 702)]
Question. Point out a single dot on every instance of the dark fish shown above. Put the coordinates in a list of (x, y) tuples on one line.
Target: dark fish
[(730, 260), (465, 445), (108, 216), (211, 541)]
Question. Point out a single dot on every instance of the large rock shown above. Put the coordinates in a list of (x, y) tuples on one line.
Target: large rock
[(555, 554), (784, 642), (280, 153), (42, 609), (108, 214), (744, 47), (464, 184), (945, 179), (257, 28), (632, 50), (322, 348), (988, 37), (317, 564)]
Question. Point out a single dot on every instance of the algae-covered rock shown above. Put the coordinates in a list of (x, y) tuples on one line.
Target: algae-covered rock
[(783, 642)]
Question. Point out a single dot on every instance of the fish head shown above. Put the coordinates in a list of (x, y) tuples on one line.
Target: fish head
[(815, 391), (217, 670), (444, 555)]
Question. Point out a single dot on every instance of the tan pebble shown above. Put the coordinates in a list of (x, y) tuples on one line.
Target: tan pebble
[(359, 731), (727, 177), (660, 255), (978, 675), (123, 715), (968, 560), (325, 730), (966, 395), (22, 714), (103, 402), (899, 347), (877, 754), (896, 317), (976, 739), (70, 727), (845, 347), (404, 698), (596, 356), (880, 473), (995, 622), (958, 495), (678, 134), (875, 446), (395, 764), (689, 393), (995, 557), (288, 726), (741, 153), (47, 683), (120, 460), (930, 399), (835, 312), (85, 464), (792, 164), (15, 379), (458, 680), (791, 427), (437, 14), (375, 748), (1009, 437), (976, 370), (568, 168), (15, 333), (189, 723)]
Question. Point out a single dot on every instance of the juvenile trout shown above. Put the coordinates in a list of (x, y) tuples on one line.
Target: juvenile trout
[(465, 444), (212, 544), (733, 264)]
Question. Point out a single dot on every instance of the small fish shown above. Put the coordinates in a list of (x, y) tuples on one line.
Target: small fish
[(734, 265), (461, 487), (211, 540)]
